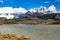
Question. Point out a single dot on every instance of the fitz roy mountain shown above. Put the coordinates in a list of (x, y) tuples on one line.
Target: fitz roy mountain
[(40, 13)]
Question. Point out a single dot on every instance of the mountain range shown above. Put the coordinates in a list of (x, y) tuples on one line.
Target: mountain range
[(42, 14)]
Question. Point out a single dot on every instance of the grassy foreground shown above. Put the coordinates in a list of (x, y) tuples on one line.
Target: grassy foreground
[(10, 36)]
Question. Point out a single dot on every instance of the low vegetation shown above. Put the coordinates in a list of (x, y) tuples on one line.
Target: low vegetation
[(10, 36), (30, 21)]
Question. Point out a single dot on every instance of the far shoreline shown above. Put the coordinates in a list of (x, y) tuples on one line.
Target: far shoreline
[(48, 25)]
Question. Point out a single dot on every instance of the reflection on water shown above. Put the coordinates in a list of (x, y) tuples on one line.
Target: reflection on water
[(35, 32)]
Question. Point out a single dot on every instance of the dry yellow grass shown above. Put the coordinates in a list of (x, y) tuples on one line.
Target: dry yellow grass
[(10, 36)]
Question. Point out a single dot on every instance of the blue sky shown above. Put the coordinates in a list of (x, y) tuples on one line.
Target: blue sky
[(27, 4)]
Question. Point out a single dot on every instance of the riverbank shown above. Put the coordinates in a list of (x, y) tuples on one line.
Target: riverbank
[(47, 25)]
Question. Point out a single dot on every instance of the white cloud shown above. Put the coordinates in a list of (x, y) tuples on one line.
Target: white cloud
[(12, 10), (46, 2), (20, 10), (52, 8), (1, 1)]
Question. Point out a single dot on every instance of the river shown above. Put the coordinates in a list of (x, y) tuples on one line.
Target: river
[(35, 32)]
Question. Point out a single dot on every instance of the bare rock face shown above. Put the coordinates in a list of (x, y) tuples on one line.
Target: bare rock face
[(10, 36)]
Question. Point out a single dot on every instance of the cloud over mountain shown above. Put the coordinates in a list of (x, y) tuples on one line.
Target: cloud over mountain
[(52, 8), (21, 10), (12, 10)]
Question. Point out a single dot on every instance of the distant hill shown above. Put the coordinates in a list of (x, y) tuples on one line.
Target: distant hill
[(50, 16)]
